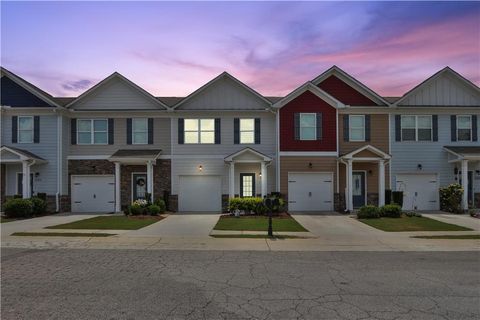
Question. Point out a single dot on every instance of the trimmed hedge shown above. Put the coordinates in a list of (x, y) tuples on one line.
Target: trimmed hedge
[(391, 211), (153, 209), (254, 205), (18, 208), (39, 205), (161, 204), (368, 212)]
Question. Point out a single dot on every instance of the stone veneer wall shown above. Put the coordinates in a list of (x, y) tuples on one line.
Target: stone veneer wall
[(173, 203)]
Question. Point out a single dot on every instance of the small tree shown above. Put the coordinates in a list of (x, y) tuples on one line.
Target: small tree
[(451, 198)]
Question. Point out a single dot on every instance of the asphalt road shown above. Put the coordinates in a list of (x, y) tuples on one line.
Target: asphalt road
[(136, 284)]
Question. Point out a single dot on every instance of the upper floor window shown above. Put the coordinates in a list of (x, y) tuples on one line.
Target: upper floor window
[(199, 131), (92, 131), (416, 128), (464, 128), (25, 129), (247, 130), (357, 128), (308, 126), (139, 130)]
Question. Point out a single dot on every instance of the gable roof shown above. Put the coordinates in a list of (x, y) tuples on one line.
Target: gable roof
[(435, 76), (120, 77), (256, 153), (217, 79), (351, 81), (308, 86), (22, 154), (367, 147), (36, 91)]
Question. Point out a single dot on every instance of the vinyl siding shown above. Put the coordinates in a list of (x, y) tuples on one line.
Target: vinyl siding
[(378, 134), (65, 152)]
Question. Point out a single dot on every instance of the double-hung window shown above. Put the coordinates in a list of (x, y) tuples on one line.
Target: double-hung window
[(357, 128), (308, 126), (247, 130), (424, 128), (199, 131), (139, 131), (92, 131), (416, 128), (25, 129), (464, 128)]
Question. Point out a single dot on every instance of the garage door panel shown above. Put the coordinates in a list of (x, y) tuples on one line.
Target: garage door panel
[(310, 191), (420, 191), (200, 193), (93, 193)]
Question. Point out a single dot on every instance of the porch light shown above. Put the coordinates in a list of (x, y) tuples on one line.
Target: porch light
[(200, 168), (419, 166), (259, 175), (310, 165)]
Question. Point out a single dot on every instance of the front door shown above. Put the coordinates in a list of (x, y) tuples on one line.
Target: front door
[(247, 185), (20, 183), (139, 186), (358, 188)]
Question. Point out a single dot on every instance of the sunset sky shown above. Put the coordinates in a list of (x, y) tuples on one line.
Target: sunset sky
[(172, 48)]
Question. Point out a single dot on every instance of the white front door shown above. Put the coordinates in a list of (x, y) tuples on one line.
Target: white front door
[(200, 193), (420, 191), (310, 191), (93, 193)]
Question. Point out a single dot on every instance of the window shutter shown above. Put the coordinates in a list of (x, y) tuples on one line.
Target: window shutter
[(435, 127), (474, 128), (73, 131), (150, 130), (319, 126), (296, 119), (346, 127), (257, 131), (14, 129), (236, 130), (218, 138), (453, 128), (36, 129), (111, 129), (181, 130), (129, 130), (398, 127), (367, 127)]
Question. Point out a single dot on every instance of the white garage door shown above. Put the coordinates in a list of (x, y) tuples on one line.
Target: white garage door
[(200, 193), (420, 191), (310, 191), (93, 193)]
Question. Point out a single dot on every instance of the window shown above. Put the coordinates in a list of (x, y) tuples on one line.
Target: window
[(247, 130), (92, 131), (25, 130), (199, 131), (139, 131), (308, 126), (416, 128), (464, 128), (357, 128)]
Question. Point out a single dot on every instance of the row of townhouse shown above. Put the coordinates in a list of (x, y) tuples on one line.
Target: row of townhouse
[(331, 144)]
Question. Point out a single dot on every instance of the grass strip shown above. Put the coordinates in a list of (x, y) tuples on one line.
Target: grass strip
[(411, 224), (258, 223), (61, 234), (109, 223), (453, 237)]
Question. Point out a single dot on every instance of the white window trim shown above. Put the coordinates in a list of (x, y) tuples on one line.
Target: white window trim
[(315, 126), (138, 131), (199, 131), (416, 127), (18, 129), (470, 126), (351, 127), (252, 131), (92, 132)]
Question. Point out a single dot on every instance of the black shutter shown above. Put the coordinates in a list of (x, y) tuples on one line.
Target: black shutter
[(367, 127), (236, 130), (453, 128), (73, 131), (435, 127), (296, 120), (36, 129), (129, 130), (218, 138), (181, 131), (346, 127), (319, 126), (14, 129), (398, 127), (150, 130), (474, 128), (111, 130), (257, 131)]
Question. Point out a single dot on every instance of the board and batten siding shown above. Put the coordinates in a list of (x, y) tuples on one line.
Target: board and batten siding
[(46, 181)]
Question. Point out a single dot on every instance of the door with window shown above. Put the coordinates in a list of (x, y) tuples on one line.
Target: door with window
[(247, 185), (358, 188), (20, 183), (139, 186)]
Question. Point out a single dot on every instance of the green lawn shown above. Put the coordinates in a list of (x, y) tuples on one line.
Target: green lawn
[(109, 223), (61, 234), (411, 224), (254, 236), (459, 237), (258, 223)]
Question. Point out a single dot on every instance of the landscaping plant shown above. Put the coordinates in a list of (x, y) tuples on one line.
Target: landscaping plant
[(153, 209), (161, 204), (397, 198), (391, 211), (451, 198), (39, 205), (18, 208), (368, 212)]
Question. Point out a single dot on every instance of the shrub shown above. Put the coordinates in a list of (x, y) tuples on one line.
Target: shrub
[(161, 204), (140, 202), (136, 209), (413, 214), (451, 198), (42, 195), (39, 205), (397, 198), (18, 208), (153, 209), (391, 211), (368, 212), (261, 209), (245, 204)]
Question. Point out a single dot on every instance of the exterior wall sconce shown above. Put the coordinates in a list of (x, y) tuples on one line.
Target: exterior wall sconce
[(455, 172), (37, 174), (200, 168), (370, 172), (260, 175), (310, 165), (419, 166)]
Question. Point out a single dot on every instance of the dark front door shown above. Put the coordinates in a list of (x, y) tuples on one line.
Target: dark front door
[(20, 183), (358, 188), (247, 185), (139, 186)]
